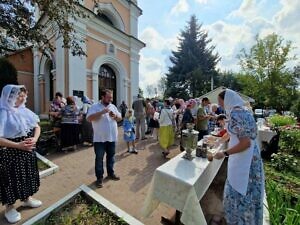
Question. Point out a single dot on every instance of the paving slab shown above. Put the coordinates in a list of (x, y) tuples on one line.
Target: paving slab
[(135, 171)]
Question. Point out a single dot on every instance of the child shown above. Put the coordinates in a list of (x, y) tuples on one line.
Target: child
[(221, 123), (129, 135)]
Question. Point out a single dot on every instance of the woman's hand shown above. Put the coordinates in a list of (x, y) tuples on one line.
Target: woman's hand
[(31, 140), (219, 155), (25, 146)]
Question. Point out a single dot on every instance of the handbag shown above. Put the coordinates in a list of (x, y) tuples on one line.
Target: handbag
[(173, 121)]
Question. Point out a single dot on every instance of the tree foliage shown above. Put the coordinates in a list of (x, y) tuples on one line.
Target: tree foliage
[(8, 74), (193, 63), (141, 92), (162, 86), (228, 79), (19, 28), (266, 76)]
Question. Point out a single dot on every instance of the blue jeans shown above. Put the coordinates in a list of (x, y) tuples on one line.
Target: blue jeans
[(100, 149)]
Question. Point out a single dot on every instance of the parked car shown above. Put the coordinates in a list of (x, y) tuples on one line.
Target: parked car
[(272, 112), (288, 113), (269, 112), (258, 113)]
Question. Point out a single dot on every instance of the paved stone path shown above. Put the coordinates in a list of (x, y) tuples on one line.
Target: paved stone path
[(77, 167)]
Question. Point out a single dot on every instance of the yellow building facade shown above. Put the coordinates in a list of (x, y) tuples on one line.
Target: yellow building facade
[(110, 39)]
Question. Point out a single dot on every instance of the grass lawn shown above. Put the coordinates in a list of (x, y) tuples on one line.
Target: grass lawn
[(42, 166)]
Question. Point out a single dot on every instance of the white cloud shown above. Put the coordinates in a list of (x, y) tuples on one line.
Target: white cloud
[(155, 41), (287, 25), (181, 6), (229, 39), (288, 17), (152, 38), (151, 70), (228, 35), (248, 9), (201, 1)]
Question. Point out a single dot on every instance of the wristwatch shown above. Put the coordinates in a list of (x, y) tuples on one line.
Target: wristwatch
[(226, 153)]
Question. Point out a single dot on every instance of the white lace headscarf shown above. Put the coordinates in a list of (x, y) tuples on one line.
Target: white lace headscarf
[(232, 100), (15, 121)]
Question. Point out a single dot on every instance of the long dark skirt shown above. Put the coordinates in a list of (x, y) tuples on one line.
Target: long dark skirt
[(19, 175), (86, 131), (69, 134), (153, 123)]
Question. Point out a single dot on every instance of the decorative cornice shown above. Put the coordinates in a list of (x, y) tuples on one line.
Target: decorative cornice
[(25, 73), (41, 78), (95, 37), (109, 10)]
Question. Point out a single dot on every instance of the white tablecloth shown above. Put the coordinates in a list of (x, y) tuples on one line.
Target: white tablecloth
[(264, 134), (181, 184)]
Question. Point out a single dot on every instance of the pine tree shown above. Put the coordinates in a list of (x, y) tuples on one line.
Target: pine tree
[(8, 73), (193, 63)]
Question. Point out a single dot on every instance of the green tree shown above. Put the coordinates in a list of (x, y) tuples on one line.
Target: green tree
[(18, 26), (268, 80), (8, 73), (141, 92), (162, 86), (193, 63), (150, 90), (228, 79)]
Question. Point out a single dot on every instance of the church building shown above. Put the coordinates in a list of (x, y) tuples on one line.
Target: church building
[(110, 39)]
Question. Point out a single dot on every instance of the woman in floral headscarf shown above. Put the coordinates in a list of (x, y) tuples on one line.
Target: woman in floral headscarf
[(19, 132), (244, 187)]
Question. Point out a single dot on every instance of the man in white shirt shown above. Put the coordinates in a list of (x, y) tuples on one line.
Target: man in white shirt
[(104, 117)]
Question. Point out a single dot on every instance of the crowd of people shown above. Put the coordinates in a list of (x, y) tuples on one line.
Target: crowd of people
[(166, 119), (68, 120), (74, 120)]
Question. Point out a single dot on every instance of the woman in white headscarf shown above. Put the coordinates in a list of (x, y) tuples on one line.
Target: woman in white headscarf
[(243, 192), (19, 132)]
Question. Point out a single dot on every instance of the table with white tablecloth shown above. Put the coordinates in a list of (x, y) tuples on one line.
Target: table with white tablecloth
[(265, 134), (181, 184)]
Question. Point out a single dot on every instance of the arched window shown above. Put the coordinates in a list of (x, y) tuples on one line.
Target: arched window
[(105, 19), (107, 80), (107, 13)]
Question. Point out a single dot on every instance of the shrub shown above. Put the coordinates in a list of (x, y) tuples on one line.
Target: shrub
[(284, 162), (8, 73), (290, 140), (279, 121), (296, 108)]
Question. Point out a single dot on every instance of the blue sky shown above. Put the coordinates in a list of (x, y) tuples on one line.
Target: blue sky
[(231, 24)]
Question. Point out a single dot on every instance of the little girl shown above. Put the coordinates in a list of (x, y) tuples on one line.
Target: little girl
[(129, 135)]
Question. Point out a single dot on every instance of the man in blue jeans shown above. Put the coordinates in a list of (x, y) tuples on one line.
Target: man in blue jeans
[(104, 117)]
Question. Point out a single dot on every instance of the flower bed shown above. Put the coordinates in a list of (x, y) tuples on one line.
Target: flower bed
[(41, 165), (283, 195), (282, 174), (83, 206), (46, 167)]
